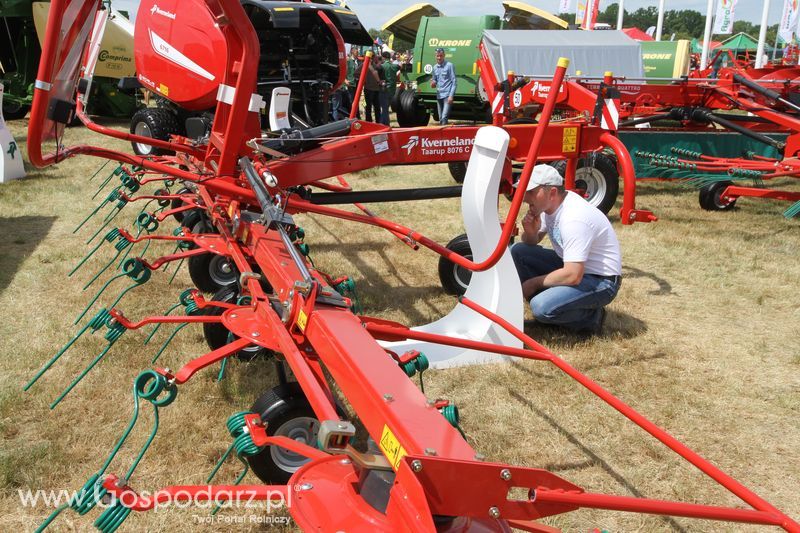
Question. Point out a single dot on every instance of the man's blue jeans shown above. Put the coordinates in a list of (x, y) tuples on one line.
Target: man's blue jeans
[(384, 102), (577, 307), (444, 110)]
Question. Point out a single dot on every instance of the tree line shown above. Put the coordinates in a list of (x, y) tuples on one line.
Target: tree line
[(684, 23)]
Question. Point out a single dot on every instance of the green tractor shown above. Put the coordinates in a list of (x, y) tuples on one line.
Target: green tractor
[(429, 29), (22, 25)]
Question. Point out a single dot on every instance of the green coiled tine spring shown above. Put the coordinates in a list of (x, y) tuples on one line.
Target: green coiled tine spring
[(145, 223), (121, 244), (115, 331), (419, 364), (182, 245), (242, 444), (121, 202), (113, 196), (109, 237), (793, 210), (191, 308), (82, 502), (450, 413), (99, 170), (134, 269), (95, 323), (149, 385), (112, 517), (347, 287), (117, 171)]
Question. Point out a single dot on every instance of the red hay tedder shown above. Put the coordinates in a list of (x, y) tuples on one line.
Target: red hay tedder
[(242, 186), (754, 103)]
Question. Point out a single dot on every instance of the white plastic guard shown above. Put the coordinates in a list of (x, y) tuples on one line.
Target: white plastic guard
[(279, 109), (11, 166), (497, 289)]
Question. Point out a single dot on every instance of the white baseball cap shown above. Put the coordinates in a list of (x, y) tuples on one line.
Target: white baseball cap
[(543, 175)]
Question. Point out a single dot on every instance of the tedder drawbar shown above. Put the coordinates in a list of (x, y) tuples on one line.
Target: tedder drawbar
[(414, 471)]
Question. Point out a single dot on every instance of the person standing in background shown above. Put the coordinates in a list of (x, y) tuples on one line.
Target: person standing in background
[(351, 80), (444, 81), (372, 88), (390, 75)]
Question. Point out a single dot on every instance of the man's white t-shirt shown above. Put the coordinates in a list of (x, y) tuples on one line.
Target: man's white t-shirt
[(581, 233)]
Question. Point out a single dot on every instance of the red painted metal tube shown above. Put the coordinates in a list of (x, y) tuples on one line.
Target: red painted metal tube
[(195, 365), (391, 333), (662, 507), (569, 173), (125, 136), (668, 440), (733, 191), (360, 86), (628, 214), (200, 319)]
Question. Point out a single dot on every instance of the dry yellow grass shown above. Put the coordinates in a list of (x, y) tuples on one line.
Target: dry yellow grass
[(702, 339)]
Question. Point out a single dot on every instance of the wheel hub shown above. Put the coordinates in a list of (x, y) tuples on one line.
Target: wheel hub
[(221, 270), (143, 130), (592, 183), (302, 429)]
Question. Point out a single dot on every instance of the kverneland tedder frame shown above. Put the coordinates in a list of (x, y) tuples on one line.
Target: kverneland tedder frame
[(415, 471)]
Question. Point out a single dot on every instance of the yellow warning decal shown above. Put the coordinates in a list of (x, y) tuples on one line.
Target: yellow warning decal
[(569, 142), (302, 320), (163, 89), (391, 448)]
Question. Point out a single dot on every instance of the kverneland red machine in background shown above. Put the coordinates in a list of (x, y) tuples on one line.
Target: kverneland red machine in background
[(413, 470)]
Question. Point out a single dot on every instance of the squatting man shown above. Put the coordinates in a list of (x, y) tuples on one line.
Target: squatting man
[(570, 285)]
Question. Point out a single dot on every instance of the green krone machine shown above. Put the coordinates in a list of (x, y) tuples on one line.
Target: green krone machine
[(22, 26), (429, 29)]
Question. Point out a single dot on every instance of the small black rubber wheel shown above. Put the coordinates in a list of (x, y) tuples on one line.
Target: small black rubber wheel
[(287, 413), (211, 272), (217, 335), (156, 123), (454, 278), (176, 203), (711, 197), (15, 111), (458, 170), (597, 177), (193, 217)]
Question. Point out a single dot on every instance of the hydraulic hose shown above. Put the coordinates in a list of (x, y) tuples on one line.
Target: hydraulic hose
[(768, 93)]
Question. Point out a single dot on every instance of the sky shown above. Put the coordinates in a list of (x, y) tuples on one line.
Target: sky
[(373, 13)]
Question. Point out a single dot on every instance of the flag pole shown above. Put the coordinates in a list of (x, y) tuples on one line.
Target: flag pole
[(621, 6), (762, 35), (707, 35), (660, 23)]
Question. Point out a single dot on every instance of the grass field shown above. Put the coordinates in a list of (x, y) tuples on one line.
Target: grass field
[(702, 339)]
